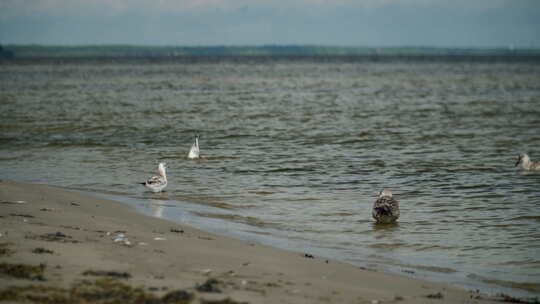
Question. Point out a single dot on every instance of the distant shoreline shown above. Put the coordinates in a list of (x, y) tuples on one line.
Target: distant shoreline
[(268, 53), (535, 59)]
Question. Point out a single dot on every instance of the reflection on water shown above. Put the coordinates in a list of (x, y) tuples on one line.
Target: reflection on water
[(157, 207), (294, 154)]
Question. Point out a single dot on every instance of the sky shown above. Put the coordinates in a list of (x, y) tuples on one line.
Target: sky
[(371, 23)]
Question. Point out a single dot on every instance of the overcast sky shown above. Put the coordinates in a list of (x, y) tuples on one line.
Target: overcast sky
[(448, 23)]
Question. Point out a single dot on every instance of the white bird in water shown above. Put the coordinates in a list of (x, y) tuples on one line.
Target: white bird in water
[(158, 182), (527, 163), (385, 208), (194, 152)]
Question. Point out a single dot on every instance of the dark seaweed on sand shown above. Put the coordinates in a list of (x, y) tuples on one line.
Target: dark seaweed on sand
[(101, 291), (23, 271)]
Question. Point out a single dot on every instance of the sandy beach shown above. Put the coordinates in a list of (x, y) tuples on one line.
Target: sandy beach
[(63, 246)]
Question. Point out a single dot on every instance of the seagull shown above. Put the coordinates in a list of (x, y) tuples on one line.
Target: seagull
[(526, 162), (158, 182), (194, 152), (385, 208)]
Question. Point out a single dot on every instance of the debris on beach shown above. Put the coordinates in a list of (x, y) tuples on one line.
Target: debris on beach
[(57, 237), (309, 256), (121, 238), (23, 271), (206, 271), (74, 204), (4, 251), (177, 296), (177, 230), (211, 285), (509, 299), (104, 290), (21, 215), (13, 202), (437, 295), (222, 301), (159, 238), (41, 250), (103, 273)]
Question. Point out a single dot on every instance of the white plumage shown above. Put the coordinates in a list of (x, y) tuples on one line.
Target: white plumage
[(159, 182), (194, 151)]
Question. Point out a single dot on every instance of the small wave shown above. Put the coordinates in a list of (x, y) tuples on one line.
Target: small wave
[(474, 208), (448, 204), (336, 214), (377, 163), (528, 263), (443, 210), (211, 158), (65, 144), (527, 218), (279, 170), (433, 247), (248, 220), (491, 195), (212, 203), (354, 141), (232, 136), (388, 245), (262, 192), (473, 169), (432, 268), (305, 199), (220, 205), (481, 248), (528, 286), (466, 187)]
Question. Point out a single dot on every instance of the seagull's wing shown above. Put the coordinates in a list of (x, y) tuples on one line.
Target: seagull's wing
[(155, 180), (194, 151)]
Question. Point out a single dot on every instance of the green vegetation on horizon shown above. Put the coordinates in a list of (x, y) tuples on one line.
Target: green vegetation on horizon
[(131, 51)]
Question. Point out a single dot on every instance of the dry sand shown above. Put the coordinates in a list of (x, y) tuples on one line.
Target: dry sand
[(157, 258)]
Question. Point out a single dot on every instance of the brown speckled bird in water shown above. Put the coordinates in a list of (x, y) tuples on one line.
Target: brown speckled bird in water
[(385, 208)]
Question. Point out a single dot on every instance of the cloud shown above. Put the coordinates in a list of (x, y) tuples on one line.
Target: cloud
[(14, 8), (213, 22)]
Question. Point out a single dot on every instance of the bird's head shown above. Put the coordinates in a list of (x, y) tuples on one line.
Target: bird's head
[(385, 192)]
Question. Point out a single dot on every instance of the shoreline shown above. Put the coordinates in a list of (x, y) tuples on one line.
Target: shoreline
[(79, 237)]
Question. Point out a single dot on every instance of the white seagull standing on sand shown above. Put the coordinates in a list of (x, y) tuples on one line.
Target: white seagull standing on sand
[(385, 208), (158, 182), (526, 162), (194, 152)]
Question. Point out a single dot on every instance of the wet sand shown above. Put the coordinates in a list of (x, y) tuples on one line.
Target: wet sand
[(80, 241)]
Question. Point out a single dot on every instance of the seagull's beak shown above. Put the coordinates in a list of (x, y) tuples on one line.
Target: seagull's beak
[(517, 163)]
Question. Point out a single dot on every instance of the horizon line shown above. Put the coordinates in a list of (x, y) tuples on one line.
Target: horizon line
[(311, 45)]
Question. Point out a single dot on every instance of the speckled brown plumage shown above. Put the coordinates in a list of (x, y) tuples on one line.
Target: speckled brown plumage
[(385, 208)]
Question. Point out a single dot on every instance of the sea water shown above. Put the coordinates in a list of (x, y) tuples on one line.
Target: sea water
[(294, 153)]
